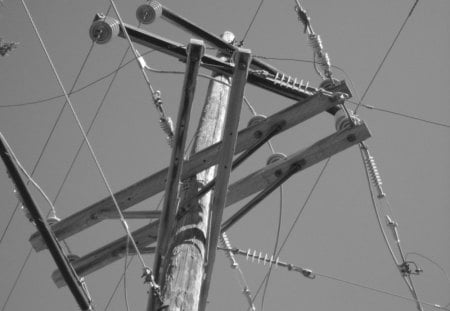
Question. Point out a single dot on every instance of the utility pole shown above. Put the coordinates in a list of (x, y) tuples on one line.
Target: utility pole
[(183, 271)]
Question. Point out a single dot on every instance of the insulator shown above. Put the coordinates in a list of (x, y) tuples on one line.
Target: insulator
[(275, 157), (102, 30), (148, 12), (259, 257), (342, 121), (323, 61), (374, 175), (256, 119), (289, 82), (316, 43), (225, 241), (166, 125), (327, 84), (72, 257), (53, 219)]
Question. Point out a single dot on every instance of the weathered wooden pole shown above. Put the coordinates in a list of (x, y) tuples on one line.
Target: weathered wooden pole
[(183, 268), (196, 49)]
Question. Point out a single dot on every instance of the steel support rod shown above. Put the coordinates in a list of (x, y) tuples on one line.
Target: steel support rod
[(195, 52), (239, 80), (44, 229)]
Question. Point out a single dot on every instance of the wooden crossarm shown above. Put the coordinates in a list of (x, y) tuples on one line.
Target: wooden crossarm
[(241, 189), (155, 183)]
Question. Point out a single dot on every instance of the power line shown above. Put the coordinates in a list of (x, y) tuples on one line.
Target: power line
[(387, 54), (251, 23), (296, 220), (408, 116), (17, 278), (74, 91), (122, 219), (48, 138), (90, 127), (275, 248)]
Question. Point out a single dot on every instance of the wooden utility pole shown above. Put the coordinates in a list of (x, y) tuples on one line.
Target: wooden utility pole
[(183, 270)]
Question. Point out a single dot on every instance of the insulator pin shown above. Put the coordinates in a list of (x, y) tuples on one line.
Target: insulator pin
[(256, 119), (342, 121), (53, 219), (72, 257), (102, 30), (148, 12), (275, 157)]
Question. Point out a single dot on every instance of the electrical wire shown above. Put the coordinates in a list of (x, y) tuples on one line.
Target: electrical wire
[(36, 164), (434, 263), (405, 276), (275, 248), (122, 219), (19, 274), (24, 171), (387, 54), (296, 220), (91, 124), (381, 291), (241, 43), (76, 90), (359, 102), (125, 267), (117, 285)]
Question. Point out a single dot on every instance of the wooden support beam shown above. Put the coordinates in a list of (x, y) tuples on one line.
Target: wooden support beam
[(195, 51), (61, 261), (154, 184), (226, 47), (260, 79), (230, 132), (243, 188), (110, 253)]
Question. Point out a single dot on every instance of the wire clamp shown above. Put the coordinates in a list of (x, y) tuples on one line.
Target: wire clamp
[(150, 279), (405, 268), (302, 16)]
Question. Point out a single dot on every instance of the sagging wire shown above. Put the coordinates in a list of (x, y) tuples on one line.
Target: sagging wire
[(447, 278), (226, 245), (406, 268), (275, 248), (122, 276), (320, 57), (30, 179), (148, 274), (387, 54), (241, 43), (35, 166), (260, 257), (291, 229)]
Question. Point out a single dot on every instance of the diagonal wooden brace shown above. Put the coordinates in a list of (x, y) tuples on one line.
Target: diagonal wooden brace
[(239, 190), (155, 183)]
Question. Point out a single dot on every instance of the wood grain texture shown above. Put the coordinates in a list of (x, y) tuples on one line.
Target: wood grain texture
[(198, 162), (253, 183)]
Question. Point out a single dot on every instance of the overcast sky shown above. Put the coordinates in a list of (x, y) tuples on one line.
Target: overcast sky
[(337, 234)]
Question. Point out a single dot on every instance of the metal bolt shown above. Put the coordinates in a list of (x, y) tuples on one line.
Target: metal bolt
[(351, 137)]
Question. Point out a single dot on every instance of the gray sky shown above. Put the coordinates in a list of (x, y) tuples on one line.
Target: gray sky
[(337, 234)]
